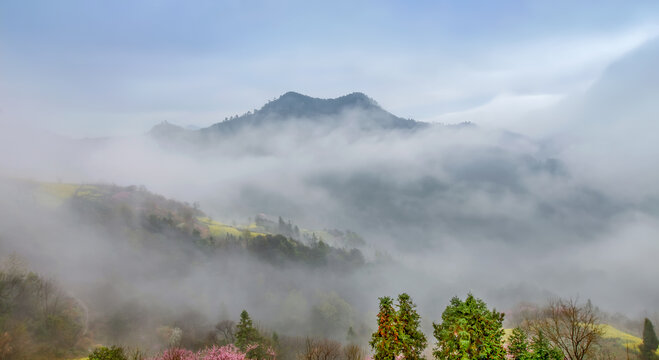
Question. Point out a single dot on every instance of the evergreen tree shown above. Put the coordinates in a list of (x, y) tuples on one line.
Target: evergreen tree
[(649, 346), (412, 340), (542, 349), (246, 334), (518, 344), (350, 336), (385, 340), (469, 331)]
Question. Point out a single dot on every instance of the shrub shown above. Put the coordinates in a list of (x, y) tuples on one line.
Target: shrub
[(105, 353)]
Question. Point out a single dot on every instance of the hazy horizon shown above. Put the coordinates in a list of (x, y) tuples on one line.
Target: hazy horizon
[(530, 172)]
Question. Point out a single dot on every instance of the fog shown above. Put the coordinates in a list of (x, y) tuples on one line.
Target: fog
[(509, 217)]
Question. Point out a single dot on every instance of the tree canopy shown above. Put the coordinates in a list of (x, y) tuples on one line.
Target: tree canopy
[(469, 330), (650, 342)]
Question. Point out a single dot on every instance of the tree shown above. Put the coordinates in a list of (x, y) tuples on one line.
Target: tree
[(225, 332), (650, 342), (322, 350), (469, 331), (412, 340), (518, 344), (385, 340), (569, 326), (246, 333), (351, 335), (353, 352), (543, 350)]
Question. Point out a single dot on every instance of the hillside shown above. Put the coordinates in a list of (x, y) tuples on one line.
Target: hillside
[(137, 214)]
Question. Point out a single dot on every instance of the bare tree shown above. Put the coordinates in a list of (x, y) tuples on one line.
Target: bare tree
[(322, 350), (353, 352), (226, 331), (571, 327)]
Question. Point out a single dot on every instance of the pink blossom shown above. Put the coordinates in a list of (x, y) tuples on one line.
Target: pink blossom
[(176, 354), (228, 352)]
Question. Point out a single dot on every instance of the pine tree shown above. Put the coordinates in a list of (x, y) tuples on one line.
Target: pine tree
[(246, 334), (350, 336), (542, 349), (385, 341), (518, 344), (650, 342), (412, 340)]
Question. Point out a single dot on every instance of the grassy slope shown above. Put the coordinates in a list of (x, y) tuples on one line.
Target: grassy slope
[(220, 230), (55, 194), (621, 337)]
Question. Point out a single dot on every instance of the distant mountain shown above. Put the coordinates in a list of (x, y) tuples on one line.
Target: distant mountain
[(625, 94), (354, 110)]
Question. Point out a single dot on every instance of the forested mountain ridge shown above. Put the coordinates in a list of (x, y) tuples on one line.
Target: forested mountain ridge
[(355, 110)]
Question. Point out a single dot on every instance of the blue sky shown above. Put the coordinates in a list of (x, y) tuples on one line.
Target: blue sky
[(93, 68)]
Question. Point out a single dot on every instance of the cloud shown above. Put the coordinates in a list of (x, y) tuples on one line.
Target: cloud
[(572, 210)]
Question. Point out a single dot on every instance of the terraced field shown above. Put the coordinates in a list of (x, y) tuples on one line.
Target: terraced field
[(219, 230)]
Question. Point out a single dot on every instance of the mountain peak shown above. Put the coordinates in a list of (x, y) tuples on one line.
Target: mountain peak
[(293, 95), (166, 127), (355, 110), (293, 104)]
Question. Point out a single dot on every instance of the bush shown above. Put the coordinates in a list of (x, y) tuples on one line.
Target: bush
[(105, 353)]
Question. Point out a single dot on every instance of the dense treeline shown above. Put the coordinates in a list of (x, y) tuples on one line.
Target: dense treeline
[(469, 330), (37, 319), (40, 321)]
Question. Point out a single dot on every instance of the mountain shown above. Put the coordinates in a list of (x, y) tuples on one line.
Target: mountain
[(295, 106), (624, 96), (354, 110)]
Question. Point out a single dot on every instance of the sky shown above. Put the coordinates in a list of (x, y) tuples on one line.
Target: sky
[(81, 68), (511, 217)]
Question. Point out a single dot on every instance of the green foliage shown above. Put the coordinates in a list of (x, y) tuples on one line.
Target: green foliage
[(104, 353), (246, 333), (650, 342), (518, 344), (469, 331), (398, 331), (330, 315), (412, 340), (385, 340), (542, 349), (250, 341)]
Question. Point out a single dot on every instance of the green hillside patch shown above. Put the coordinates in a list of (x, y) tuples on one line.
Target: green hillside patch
[(623, 338), (55, 194), (610, 333), (217, 229)]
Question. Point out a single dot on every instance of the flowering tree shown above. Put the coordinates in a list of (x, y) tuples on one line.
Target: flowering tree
[(228, 352)]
